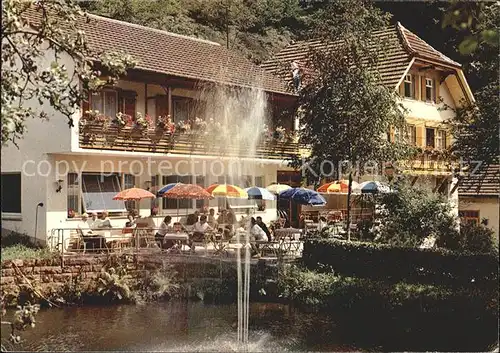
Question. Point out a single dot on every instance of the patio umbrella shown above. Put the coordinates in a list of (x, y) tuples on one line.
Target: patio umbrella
[(303, 196), (166, 188), (188, 192), (373, 187), (277, 188), (338, 186), (256, 193), (133, 194), (227, 190)]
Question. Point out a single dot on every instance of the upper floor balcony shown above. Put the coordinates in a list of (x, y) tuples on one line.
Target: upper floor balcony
[(191, 137), (179, 118)]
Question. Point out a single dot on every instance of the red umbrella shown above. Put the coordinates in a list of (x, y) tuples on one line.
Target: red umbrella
[(133, 194), (188, 191)]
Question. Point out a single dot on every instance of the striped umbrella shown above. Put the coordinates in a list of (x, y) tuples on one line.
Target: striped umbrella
[(338, 186), (227, 190), (166, 188), (278, 188), (256, 193)]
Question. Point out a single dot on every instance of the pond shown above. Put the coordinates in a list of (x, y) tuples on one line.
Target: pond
[(197, 327)]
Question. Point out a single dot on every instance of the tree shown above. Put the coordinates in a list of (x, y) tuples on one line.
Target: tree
[(346, 110), (411, 214), (475, 124), (37, 32)]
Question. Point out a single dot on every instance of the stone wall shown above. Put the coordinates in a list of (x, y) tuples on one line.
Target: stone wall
[(48, 276)]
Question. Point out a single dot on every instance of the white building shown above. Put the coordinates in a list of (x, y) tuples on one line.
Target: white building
[(80, 169)]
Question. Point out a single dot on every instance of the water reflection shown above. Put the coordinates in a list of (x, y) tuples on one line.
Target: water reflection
[(183, 326), (173, 326)]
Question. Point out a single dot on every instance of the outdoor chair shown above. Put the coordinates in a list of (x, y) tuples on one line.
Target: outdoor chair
[(76, 241)]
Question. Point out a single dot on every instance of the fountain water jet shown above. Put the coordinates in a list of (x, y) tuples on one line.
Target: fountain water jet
[(237, 116)]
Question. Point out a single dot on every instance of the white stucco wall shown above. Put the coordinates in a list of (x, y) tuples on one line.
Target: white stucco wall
[(488, 208), (430, 111), (31, 157)]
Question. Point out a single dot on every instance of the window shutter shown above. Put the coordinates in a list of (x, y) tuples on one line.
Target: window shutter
[(129, 105), (420, 130), (127, 102), (436, 90), (416, 87), (422, 89), (402, 89), (392, 134)]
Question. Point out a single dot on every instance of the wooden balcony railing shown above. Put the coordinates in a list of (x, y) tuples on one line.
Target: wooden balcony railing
[(102, 137)]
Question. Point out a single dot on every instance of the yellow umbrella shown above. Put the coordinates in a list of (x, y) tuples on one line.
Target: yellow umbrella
[(227, 190)]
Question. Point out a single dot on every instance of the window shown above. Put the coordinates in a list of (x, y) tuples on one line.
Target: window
[(129, 182), (429, 137), (398, 135), (429, 90), (174, 204), (469, 217), (11, 192), (73, 197), (200, 180), (408, 86), (259, 181), (155, 183), (106, 102), (98, 191), (441, 139), (412, 134)]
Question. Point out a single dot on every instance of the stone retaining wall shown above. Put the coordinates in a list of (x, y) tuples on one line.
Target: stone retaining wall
[(49, 275)]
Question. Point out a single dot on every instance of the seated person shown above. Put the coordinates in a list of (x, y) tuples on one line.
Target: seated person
[(128, 229), (178, 227), (94, 222), (256, 234), (211, 218), (95, 241), (192, 218), (322, 223), (165, 228), (200, 228), (263, 226), (105, 221), (84, 226)]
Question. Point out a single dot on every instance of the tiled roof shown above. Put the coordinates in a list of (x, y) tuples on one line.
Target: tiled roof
[(420, 48), (485, 181), (177, 55), (399, 47)]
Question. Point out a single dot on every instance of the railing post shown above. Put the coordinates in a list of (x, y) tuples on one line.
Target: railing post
[(62, 247)]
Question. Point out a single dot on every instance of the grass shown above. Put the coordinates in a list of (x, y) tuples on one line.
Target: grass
[(23, 252)]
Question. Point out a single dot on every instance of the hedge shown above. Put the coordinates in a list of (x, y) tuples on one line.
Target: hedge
[(385, 262)]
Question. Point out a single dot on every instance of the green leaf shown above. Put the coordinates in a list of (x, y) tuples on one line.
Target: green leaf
[(468, 45)]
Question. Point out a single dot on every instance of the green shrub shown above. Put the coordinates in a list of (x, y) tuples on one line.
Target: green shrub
[(411, 214), (14, 238), (472, 237), (393, 263), (22, 252)]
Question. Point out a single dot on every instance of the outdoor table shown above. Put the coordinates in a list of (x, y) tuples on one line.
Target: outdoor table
[(178, 239), (291, 233), (97, 239)]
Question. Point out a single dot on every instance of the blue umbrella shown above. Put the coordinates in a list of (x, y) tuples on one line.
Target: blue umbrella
[(256, 193), (372, 187), (303, 196), (165, 189)]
